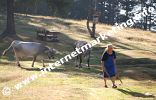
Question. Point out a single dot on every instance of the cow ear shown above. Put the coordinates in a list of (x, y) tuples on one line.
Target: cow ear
[(54, 50)]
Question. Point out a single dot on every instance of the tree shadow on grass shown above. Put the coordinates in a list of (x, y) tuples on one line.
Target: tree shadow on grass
[(30, 69), (135, 94), (25, 68), (129, 46), (65, 45)]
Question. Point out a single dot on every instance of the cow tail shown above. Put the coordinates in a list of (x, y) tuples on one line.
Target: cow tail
[(6, 50)]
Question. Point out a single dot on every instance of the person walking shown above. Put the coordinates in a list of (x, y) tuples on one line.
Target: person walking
[(108, 61)]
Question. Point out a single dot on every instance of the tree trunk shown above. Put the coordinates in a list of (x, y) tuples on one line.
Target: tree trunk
[(10, 26), (35, 10), (127, 9)]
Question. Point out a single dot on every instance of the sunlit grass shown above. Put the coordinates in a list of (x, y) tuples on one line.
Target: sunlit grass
[(69, 83)]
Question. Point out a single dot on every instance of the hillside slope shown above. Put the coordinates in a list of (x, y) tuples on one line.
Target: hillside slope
[(136, 62)]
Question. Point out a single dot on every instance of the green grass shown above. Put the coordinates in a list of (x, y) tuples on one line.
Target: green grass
[(136, 63)]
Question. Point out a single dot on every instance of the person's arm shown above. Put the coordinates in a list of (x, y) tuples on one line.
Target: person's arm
[(115, 64), (102, 65), (103, 58)]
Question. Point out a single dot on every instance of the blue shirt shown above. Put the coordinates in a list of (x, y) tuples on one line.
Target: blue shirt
[(109, 62)]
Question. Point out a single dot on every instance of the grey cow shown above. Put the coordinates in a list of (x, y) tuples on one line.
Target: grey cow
[(30, 49), (86, 54)]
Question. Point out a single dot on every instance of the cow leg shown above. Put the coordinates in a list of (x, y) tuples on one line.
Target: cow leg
[(80, 66), (17, 59), (88, 61), (43, 63), (34, 59), (76, 61)]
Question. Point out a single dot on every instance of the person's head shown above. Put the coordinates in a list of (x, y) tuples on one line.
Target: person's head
[(109, 47)]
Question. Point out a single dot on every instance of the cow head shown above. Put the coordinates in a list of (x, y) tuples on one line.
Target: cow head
[(51, 53)]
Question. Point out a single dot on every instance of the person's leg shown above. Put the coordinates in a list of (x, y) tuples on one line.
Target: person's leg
[(113, 81), (105, 82), (105, 79)]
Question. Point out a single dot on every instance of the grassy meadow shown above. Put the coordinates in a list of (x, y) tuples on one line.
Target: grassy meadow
[(136, 63)]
